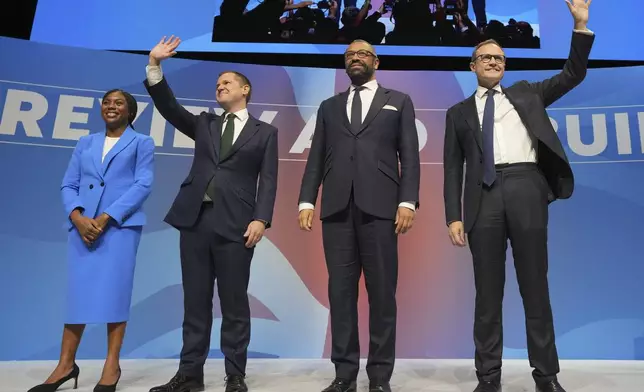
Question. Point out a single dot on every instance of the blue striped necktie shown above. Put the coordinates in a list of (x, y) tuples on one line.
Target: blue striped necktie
[(489, 173)]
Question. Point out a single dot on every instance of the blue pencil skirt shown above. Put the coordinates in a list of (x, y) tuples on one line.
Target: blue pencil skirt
[(100, 278)]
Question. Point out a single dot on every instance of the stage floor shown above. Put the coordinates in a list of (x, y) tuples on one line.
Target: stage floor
[(273, 375)]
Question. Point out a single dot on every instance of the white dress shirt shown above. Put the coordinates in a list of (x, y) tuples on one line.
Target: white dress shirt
[(512, 141), (366, 97)]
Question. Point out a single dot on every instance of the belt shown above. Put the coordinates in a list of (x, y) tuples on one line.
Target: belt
[(520, 165)]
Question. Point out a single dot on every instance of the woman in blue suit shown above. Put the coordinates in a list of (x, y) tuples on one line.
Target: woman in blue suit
[(108, 179)]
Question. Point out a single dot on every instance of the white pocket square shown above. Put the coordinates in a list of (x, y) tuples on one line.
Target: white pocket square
[(389, 107)]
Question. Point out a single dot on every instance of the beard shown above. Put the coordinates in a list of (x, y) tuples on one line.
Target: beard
[(359, 75)]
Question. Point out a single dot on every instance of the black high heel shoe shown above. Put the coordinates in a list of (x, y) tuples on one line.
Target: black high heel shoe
[(108, 388), (54, 386)]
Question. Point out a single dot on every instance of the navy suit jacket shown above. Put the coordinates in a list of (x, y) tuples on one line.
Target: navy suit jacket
[(463, 137), (245, 179), (117, 185), (365, 162)]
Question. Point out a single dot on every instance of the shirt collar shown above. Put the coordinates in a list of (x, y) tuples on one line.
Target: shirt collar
[(480, 91), (371, 85), (242, 115)]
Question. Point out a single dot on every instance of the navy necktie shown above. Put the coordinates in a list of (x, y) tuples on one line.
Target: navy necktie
[(356, 110), (489, 173)]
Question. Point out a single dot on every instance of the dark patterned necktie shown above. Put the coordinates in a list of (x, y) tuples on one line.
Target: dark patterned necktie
[(489, 173), (356, 110), (227, 136), (224, 147)]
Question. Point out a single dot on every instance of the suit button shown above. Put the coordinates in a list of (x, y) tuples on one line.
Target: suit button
[(91, 186), (102, 184), (355, 137), (351, 158), (481, 160), (478, 183)]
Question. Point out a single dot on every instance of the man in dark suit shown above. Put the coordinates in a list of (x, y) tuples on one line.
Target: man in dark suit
[(221, 212), (479, 12), (515, 166), (359, 136)]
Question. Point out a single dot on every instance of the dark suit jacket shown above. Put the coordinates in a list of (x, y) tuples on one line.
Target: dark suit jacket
[(366, 160), (463, 136), (238, 199)]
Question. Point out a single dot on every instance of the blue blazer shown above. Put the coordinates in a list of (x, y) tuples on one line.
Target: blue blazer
[(117, 185)]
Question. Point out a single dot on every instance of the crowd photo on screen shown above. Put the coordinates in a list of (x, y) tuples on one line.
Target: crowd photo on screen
[(379, 22)]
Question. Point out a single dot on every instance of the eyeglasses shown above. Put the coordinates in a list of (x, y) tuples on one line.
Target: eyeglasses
[(361, 54), (486, 58)]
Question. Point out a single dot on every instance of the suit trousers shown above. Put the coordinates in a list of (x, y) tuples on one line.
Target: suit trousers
[(206, 257), (515, 207), (356, 242), (479, 12)]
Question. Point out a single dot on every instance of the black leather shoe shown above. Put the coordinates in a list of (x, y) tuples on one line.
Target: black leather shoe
[(552, 386), (236, 383), (340, 385), (181, 383), (379, 387), (488, 386), (73, 375)]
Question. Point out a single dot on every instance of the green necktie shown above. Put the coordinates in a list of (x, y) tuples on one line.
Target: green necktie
[(227, 136)]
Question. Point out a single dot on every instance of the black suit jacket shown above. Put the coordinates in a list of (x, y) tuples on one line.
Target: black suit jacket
[(239, 199), (367, 160), (463, 136)]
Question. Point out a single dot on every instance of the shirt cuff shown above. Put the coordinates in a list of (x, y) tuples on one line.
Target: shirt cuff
[(263, 221), (309, 206), (154, 74), (587, 31), (410, 205)]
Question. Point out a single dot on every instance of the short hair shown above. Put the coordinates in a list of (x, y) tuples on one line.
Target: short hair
[(486, 42), (243, 81), (361, 41), (132, 106)]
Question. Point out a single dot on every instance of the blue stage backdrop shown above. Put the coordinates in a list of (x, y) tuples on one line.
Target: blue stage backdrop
[(50, 96)]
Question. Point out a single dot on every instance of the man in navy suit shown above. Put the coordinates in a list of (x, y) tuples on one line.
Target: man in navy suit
[(367, 200), (515, 166), (222, 209)]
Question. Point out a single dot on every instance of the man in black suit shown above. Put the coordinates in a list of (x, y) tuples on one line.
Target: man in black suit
[(359, 136), (221, 212), (515, 166)]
